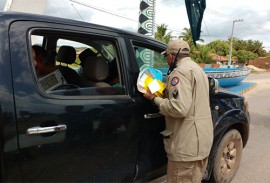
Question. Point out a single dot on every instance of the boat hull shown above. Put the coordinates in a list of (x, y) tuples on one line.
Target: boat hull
[(228, 76)]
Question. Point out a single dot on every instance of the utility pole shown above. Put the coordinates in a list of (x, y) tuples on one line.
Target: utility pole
[(231, 43)]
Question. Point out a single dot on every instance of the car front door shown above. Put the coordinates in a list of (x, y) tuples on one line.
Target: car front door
[(81, 134), (152, 158)]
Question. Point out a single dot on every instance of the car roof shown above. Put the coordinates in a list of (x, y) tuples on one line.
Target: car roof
[(10, 17)]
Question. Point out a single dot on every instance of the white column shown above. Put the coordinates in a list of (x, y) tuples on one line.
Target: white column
[(231, 43), (27, 6)]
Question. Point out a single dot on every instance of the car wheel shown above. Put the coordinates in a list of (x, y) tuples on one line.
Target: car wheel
[(228, 157)]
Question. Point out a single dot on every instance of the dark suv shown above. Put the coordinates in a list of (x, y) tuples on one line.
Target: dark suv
[(86, 121)]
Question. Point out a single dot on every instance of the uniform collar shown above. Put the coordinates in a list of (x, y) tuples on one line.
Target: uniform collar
[(183, 60)]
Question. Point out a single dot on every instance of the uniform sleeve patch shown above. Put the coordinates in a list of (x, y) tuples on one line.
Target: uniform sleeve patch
[(175, 81)]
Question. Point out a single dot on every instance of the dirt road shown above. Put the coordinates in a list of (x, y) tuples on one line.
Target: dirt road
[(255, 164)]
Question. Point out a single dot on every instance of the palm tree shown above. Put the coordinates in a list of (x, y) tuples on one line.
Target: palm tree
[(161, 33), (250, 45), (258, 48), (239, 44), (187, 36), (202, 55)]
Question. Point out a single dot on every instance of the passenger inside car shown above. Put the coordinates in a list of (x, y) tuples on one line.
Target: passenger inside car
[(39, 55), (84, 54), (49, 76), (94, 71), (87, 54)]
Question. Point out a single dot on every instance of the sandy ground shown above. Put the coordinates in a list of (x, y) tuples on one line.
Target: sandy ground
[(262, 79), (255, 164), (255, 68)]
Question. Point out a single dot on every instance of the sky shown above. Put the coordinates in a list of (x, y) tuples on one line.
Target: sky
[(217, 20)]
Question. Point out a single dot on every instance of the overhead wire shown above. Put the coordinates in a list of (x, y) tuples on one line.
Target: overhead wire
[(103, 10), (212, 12), (208, 10), (207, 30), (77, 12), (112, 13)]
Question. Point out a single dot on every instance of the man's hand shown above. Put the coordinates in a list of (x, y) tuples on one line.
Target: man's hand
[(148, 95)]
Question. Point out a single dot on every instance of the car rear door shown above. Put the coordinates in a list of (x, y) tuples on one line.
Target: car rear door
[(70, 137)]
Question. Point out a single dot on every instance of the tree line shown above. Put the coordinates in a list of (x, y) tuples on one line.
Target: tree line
[(243, 50)]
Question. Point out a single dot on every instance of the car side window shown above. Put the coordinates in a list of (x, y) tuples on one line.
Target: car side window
[(76, 65), (148, 57)]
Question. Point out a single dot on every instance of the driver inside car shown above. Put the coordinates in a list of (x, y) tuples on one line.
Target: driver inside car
[(42, 68), (49, 76)]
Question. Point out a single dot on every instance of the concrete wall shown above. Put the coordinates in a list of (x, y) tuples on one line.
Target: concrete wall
[(261, 62)]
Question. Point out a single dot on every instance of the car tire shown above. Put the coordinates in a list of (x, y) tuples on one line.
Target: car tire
[(228, 156)]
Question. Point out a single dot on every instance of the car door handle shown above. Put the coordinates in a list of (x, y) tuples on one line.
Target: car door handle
[(49, 129), (153, 115)]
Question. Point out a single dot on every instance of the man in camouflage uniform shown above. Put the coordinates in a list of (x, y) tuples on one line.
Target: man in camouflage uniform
[(188, 135)]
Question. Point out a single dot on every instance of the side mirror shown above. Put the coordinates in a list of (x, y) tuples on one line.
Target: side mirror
[(213, 85)]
